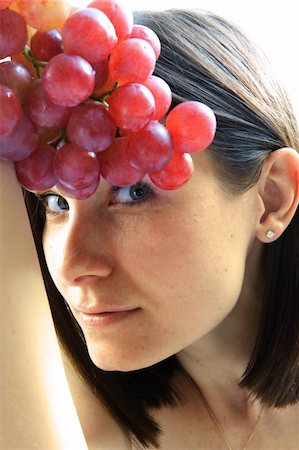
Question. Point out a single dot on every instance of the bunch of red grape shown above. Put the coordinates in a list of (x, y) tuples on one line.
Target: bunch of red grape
[(79, 101)]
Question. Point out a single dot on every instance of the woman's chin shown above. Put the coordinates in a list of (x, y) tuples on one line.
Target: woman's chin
[(112, 365), (119, 362)]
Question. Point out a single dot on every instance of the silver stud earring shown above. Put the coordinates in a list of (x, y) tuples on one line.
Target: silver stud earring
[(270, 234)]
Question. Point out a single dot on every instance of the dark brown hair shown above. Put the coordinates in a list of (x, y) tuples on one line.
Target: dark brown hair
[(207, 59)]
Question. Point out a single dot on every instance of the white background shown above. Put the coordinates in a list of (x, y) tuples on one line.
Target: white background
[(274, 25)]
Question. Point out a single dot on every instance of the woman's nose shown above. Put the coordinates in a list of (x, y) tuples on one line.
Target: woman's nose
[(82, 253)]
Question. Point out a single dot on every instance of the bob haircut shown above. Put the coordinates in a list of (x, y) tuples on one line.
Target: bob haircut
[(205, 58)]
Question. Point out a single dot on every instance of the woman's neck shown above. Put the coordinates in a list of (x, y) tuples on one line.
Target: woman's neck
[(217, 361)]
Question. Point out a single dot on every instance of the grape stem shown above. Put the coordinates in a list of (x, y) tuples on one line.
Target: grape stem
[(37, 63), (102, 98), (63, 137)]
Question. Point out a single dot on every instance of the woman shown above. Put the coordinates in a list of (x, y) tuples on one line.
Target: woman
[(196, 346)]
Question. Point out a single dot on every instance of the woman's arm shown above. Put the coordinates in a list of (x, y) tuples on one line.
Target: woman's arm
[(100, 430), (36, 409)]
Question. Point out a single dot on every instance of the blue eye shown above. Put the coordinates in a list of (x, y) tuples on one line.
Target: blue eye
[(53, 203), (132, 195)]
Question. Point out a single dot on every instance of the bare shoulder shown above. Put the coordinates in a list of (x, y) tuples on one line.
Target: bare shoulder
[(100, 429)]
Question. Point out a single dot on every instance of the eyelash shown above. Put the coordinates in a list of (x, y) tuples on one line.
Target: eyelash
[(137, 202), (43, 198)]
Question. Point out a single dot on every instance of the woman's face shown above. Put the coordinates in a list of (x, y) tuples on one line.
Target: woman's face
[(147, 272)]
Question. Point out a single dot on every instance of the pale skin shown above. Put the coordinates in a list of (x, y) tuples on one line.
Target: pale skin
[(32, 380), (114, 252), (189, 262)]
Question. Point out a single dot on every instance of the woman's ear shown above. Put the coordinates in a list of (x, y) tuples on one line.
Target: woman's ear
[(278, 189)]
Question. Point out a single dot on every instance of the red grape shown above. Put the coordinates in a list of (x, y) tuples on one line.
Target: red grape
[(68, 79), (107, 86), (132, 61), (44, 14), (16, 77), (114, 165), (43, 112), (46, 44), (150, 149), (143, 32), (21, 142), (79, 194), (36, 173), (192, 126), (5, 3), (75, 168), (101, 73), (89, 33), (131, 106), (162, 95), (20, 58), (91, 127), (121, 17), (10, 111), (13, 33), (175, 174), (99, 48), (49, 135)]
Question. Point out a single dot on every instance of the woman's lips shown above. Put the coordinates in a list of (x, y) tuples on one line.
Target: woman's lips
[(102, 319)]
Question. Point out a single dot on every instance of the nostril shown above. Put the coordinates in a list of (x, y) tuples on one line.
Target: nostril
[(85, 278), (76, 271)]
